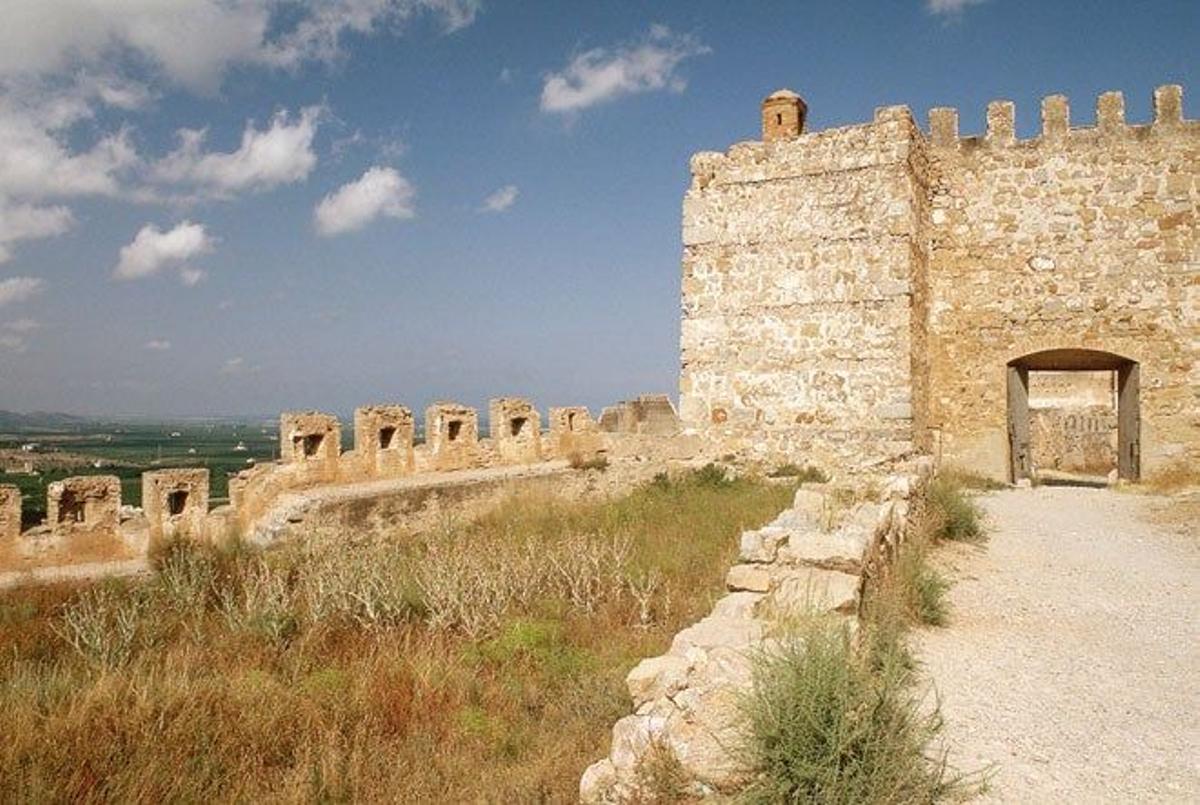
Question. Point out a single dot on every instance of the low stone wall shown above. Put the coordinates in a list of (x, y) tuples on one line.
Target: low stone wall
[(818, 556)]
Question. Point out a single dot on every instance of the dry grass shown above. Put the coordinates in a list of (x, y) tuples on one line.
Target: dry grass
[(484, 664), (1172, 479)]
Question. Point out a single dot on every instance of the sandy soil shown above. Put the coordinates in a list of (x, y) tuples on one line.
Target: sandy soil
[(1071, 665)]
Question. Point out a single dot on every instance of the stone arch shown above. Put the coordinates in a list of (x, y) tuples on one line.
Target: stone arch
[(1075, 359)]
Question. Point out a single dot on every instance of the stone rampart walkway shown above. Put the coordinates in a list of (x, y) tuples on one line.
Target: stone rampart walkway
[(1072, 660)]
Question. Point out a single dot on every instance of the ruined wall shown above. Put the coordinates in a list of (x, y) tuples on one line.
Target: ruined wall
[(383, 440), (817, 557), (1079, 238), (801, 260), (516, 430), (10, 514), (175, 503), (311, 442)]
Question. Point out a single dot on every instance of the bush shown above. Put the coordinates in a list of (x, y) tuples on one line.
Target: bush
[(578, 462), (804, 475), (824, 725), (957, 516)]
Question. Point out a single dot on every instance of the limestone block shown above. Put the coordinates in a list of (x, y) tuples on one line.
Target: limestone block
[(739, 604), (761, 545), (597, 783), (713, 632), (657, 676), (703, 735), (842, 548), (754, 578), (805, 591), (632, 738)]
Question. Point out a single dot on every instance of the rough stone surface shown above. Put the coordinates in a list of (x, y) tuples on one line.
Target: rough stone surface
[(852, 294), (383, 440), (311, 442), (516, 430), (10, 513), (175, 503), (452, 437), (686, 702)]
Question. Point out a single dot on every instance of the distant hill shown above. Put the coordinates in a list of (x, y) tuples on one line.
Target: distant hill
[(40, 420)]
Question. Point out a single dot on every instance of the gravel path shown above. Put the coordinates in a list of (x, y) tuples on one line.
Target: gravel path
[(1072, 660)]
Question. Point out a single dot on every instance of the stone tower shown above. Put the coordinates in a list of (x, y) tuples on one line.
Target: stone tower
[(783, 113)]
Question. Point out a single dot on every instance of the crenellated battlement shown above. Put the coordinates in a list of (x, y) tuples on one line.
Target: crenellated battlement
[(87, 524), (1056, 122)]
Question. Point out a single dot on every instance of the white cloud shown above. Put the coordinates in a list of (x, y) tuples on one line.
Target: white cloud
[(378, 192), (18, 289), (280, 154), (949, 7), (601, 75), (21, 325), (157, 345), (237, 366), (192, 277), (501, 200), (152, 249), (13, 343), (194, 43), (27, 222)]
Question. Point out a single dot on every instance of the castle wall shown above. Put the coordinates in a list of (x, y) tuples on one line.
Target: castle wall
[(175, 503), (1080, 238), (802, 263)]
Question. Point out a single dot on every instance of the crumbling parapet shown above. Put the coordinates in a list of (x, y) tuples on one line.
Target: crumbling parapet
[(650, 414), (383, 440), (90, 503), (452, 437), (516, 430), (574, 434), (311, 442), (175, 503), (10, 513)]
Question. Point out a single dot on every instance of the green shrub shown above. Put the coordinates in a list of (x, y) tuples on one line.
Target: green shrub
[(825, 726), (804, 475), (957, 516), (711, 476)]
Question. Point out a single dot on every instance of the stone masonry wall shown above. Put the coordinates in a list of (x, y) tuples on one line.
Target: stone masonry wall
[(800, 261), (1080, 238), (853, 295), (808, 560)]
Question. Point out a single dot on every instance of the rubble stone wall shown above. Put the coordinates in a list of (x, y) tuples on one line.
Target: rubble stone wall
[(813, 558), (1079, 238), (799, 265), (851, 295)]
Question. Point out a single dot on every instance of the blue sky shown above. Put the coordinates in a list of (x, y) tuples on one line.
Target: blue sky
[(406, 200)]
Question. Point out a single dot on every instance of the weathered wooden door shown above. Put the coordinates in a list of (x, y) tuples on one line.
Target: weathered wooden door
[(1018, 422), (1129, 423)]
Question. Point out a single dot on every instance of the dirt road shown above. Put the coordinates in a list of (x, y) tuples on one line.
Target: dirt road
[(1072, 660)]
